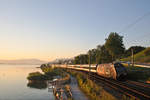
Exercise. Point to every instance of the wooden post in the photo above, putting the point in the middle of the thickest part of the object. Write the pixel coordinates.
(89, 64)
(132, 58)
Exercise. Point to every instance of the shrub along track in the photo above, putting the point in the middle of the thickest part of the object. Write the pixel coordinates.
(136, 90)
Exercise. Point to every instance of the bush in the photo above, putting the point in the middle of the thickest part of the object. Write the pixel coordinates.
(36, 76)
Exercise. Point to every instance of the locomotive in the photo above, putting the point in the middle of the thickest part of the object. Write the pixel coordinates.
(115, 71)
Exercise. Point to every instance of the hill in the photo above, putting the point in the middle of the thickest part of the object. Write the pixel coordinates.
(22, 61)
(141, 57)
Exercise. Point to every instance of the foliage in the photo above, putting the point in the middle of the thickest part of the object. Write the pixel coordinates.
(97, 56)
(94, 91)
(81, 59)
(46, 68)
(50, 71)
(138, 73)
(136, 49)
(62, 61)
(141, 57)
(147, 52)
(114, 45)
(92, 54)
(37, 76)
(103, 55)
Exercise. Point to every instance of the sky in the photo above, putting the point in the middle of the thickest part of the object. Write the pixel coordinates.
(50, 29)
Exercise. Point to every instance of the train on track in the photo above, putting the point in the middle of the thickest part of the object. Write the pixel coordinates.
(112, 70)
(115, 71)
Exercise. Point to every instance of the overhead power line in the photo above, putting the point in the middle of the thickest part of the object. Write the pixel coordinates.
(136, 21)
(131, 25)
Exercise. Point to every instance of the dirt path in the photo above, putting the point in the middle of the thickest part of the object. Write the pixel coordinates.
(76, 92)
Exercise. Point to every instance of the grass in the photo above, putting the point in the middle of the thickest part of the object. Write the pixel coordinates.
(91, 89)
(138, 73)
(141, 57)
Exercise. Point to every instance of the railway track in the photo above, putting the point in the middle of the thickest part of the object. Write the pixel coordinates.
(136, 90)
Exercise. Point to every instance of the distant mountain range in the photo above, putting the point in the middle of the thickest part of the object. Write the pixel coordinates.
(23, 61)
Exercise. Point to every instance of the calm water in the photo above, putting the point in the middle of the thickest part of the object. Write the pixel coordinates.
(13, 84)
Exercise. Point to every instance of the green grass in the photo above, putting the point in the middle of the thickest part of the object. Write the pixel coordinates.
(141, 57)
(138, 73)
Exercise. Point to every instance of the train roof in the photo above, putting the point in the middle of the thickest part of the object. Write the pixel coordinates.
(112, 64)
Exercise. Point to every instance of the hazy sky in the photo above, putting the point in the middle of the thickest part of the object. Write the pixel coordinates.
(49, 29)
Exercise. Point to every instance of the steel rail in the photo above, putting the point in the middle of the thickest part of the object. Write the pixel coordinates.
(127, 90)
(135, 92)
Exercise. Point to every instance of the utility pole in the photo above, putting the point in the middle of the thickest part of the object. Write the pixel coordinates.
(132, 58)
(89, 64)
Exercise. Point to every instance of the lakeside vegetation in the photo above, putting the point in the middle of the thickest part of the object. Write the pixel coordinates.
(38, 80)
(48, 73)
(37, 76)
(94, 91)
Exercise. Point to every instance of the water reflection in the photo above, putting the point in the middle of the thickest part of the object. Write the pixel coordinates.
(14, 84)
(37, 85)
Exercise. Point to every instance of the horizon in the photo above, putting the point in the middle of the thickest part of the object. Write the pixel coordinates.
(48, 30)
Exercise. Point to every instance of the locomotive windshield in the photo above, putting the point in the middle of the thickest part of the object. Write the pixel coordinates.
(119, 67)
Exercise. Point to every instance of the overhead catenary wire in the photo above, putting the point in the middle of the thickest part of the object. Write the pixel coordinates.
(135, 22)
(132, 24)
(140, 38)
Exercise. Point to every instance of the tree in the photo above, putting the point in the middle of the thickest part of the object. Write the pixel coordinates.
(102, 55)
(81, 59)
(92, 54)
(136, 49)
(114, 45)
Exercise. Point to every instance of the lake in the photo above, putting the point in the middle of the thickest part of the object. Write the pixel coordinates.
(13, 84)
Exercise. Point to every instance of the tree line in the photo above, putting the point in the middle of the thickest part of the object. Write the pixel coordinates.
(110, 51)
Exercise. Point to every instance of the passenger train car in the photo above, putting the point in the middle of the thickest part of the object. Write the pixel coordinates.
(112, 70)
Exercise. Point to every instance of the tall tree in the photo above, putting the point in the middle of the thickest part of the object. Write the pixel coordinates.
(81, 59)
(114, 45)
(102, 55)
(92, 54)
